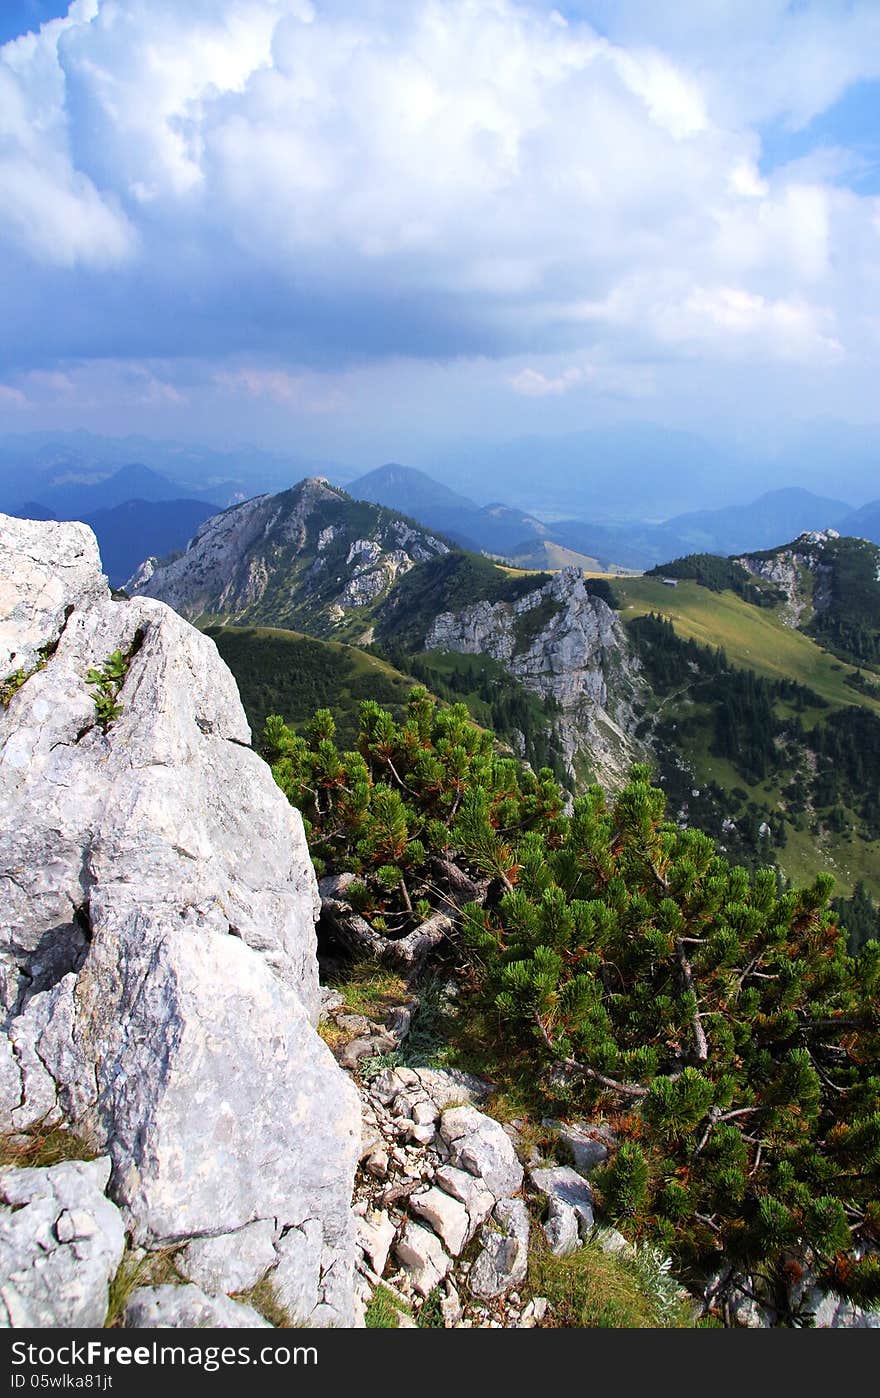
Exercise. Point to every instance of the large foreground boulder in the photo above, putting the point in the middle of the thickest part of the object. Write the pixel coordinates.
(158, 975)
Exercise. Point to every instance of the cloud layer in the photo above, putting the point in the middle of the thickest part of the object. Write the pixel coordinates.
(270, 187)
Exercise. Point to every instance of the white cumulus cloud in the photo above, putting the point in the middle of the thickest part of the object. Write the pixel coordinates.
(322, 183)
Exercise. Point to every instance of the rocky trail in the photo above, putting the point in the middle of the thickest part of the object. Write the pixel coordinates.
(446, 1197)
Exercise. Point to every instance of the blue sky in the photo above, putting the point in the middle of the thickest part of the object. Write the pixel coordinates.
(19, 16)
(369, 227)
(852, 124)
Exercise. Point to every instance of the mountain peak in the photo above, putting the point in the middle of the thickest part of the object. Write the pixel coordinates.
(310, 558)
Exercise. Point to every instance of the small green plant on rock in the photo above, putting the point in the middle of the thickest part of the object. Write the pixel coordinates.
(107, 682)
(383, 1311)
(11, 685)
(430, 1317)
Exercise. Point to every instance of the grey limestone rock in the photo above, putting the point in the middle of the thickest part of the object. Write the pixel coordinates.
(470, 1191)
(45, 570)
(503, 1259)
(575, 652)
(297, 1277)
(421, 1253)
(569, 1206)
(61, 1242)
(479, 1145)
(231, 1262)
(447, 1216)
(375, 1234)
(157, 942)
(188, 1308)
(583, 1145)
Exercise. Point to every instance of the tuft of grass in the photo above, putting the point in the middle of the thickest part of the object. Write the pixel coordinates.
(264, 1298)
(383, 1311)
(371, 989)
(430, 1317)
(592, 1289)
(333, 1036)
(433, 1030)
(139, 1269)
(40, 1147)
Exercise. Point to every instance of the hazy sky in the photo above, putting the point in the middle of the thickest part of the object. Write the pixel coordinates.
(365, 227)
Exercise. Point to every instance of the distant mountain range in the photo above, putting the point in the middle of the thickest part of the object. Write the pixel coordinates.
(33, 461)
(863, 523)
(74, 495)
(130, 532)
(134, 512)
(523, 538)
(492, 528)
(777, 514)
(69, 476)
(632, 470)
(607, 474)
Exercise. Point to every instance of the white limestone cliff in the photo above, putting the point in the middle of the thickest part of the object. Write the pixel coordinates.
(566, 645)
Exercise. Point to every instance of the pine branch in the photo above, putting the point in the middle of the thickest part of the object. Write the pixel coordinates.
(399, 779)
(702, 1043)
(628, 1089)
(716, 1115)
(405, 895)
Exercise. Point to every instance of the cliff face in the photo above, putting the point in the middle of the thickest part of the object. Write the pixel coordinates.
(800, 573)
(309, 558)
(157, 949)
(568, 646)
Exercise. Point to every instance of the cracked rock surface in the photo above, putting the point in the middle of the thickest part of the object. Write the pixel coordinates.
(561, 643)
(61, 1242)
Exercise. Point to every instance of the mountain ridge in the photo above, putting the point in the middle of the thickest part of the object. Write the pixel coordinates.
(310, 558)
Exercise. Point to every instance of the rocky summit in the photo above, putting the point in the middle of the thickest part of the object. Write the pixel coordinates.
(310, 558)
(158, 977)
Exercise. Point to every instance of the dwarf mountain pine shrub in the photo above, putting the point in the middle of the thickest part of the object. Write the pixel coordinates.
(715, 1017)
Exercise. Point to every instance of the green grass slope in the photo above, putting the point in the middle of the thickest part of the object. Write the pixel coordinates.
(754, 637)
(807, 833)
(287, 673)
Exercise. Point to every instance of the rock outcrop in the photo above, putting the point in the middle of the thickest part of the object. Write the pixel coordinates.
(568, 646)
(799, 572)
(188, 1308)
(158, 977)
